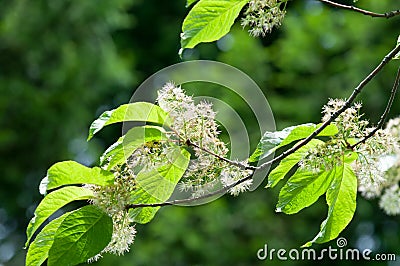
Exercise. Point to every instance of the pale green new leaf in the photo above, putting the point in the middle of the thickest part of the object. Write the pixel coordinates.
(39, 249)
(140, 111)
(283, 168)
(271, 141)
(268, 143)
(126, 145)
(112, 155)
(209, 20)
(81, 235)
(302, 190)
(52, 202)
(303, 131)
(157, 185)
(73, 173)
(341, 200)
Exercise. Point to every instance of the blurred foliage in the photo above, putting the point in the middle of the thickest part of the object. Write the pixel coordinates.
(63, 62)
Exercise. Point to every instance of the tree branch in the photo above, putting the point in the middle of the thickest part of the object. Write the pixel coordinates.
(300, 144)
(362, 11)
(189, 200)
(385, 113)
(347, 104)
(238, 164)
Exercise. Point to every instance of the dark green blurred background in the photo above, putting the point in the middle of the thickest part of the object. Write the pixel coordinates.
(63, 62)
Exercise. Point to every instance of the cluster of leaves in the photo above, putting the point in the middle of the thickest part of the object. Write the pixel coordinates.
(303, 188)
(78, 235)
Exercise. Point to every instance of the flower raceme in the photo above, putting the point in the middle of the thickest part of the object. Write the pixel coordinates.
(192, 123)
(196, 123)
(374, 176)
(263, 15)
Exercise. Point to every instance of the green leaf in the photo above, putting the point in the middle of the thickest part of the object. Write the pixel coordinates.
(51, 203)
(283, 168)
(303, 131)
(157, 185)
(39, 249)
(73, 173)
(140, 111)
(302, 190)
(190, 2)
(113, 153)
(209, 20)
(271, 141)
(82, 234)
(126, 145)
(341, 200)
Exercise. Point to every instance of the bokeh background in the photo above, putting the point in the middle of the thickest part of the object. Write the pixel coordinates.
(63, 62)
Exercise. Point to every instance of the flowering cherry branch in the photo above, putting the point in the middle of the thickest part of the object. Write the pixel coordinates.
(385, 113)
(346, 105)
(363, 11)
(189, 200)
(300, 144)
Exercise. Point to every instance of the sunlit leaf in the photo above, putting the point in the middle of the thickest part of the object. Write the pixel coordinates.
(52, 202)
(81, 235)
(341, 200)
(39, 248)
(73, 173)
(283, 168)
(157, 185)
(209, 20)
(271, 141)
(140, 111)
(302, 190)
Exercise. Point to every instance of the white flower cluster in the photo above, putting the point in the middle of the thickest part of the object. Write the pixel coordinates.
(350, 122)
(322, 157)
(369, 167)
(195, 123)
(390, 199)
(231, 174)
(263, 15)
(350, 126)
(112, 200)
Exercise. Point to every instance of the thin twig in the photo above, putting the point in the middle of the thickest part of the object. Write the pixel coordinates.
(363, 11)
(385, 113)
(300, 144)
(189, 200)
(238, 164)
(347, 104)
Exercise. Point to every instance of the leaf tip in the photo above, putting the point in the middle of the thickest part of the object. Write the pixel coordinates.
(307, 245)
